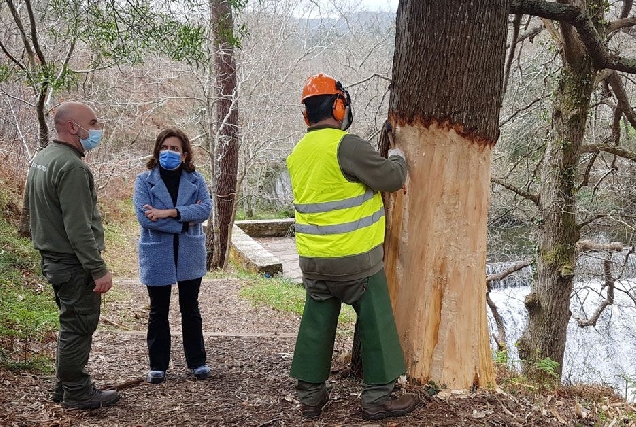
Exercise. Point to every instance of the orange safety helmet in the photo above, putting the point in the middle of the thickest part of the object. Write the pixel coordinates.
(323, 84)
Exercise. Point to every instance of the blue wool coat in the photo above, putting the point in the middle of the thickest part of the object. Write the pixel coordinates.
(156, 247)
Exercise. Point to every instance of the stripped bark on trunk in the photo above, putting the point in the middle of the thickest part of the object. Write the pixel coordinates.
(444, 108)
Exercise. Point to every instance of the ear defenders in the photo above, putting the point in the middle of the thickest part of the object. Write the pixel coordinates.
(342, 108)
(341, 103)
(322, 84)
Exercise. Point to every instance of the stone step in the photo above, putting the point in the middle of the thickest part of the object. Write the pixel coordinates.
(251, 255)
(267, 227)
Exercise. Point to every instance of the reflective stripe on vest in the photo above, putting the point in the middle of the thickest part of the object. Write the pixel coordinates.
(334, 217)
(332, 206)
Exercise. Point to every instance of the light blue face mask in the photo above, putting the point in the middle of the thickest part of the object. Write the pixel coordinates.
(169, 159)
(93, 140)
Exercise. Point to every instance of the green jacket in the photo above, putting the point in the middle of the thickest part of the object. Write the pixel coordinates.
(62, 202)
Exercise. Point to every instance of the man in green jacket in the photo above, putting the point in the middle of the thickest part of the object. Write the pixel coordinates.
(66, 227)
(336, 179)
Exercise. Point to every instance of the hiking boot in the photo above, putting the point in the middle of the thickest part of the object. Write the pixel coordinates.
(312, 412)
(394, 407)
(58, 393)
(97, 399)
(202, 372)
(156, 377)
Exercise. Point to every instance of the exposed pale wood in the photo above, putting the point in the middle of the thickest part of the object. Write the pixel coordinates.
(436, 243)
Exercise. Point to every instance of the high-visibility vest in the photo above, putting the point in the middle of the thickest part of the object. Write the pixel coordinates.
(334, 217)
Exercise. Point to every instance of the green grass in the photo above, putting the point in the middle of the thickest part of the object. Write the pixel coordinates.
(278, 293)
(286, 296)
(28, 314)
(120, 230)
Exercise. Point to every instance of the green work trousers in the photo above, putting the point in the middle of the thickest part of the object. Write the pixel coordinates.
(382, 358)
(79, 309)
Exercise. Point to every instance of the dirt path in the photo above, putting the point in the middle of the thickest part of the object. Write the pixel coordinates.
(249, 350)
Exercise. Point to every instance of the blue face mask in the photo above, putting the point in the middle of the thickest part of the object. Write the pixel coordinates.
(93, 140)
(169, 159)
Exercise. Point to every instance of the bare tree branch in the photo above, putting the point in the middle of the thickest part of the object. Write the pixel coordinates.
(500, 338)
(366, 79)
(610, 281)
(520, 110)
(590, 220)
(609, 299)
(511, 50)
(618, 151)
(588, 170)
(507, 272)
(531, 33)
(627, 7)
(617, 86)
(18, 23)
(11, 57)
(532, 197)
(585, 27)
(621, 23)
(34, 33)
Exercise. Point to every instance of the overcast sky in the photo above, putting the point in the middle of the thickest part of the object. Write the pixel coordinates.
(381, 5)
(329, 8)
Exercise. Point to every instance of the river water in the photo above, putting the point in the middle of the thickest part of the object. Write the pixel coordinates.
(602, 354)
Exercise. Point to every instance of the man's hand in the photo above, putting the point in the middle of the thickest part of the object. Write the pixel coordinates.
(103, 284)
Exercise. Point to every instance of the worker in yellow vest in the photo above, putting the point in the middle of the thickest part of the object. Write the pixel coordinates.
(336, 180)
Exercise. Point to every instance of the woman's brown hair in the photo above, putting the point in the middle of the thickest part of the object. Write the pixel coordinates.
(186, 147)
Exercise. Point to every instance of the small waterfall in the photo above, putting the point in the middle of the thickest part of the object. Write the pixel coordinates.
(600, 354)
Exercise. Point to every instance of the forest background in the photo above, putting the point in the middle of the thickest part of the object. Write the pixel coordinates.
(142, 76)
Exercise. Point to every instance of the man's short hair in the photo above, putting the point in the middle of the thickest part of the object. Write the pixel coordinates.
(319, 107)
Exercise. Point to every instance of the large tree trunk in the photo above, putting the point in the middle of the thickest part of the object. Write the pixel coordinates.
(226, 153)
(444, 109)
(548, 303)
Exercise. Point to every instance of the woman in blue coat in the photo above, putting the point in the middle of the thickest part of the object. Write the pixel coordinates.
(171, 202)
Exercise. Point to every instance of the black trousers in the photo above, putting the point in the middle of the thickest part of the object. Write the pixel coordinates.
(158, 337)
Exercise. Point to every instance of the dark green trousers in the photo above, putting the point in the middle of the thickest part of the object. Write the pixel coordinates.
(382, 358)
(79, 310)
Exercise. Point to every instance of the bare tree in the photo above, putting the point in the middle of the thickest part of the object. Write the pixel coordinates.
(568, 161)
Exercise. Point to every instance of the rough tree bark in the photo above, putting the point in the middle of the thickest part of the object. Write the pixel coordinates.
(548, 303)
(444, 108)
(226, 153)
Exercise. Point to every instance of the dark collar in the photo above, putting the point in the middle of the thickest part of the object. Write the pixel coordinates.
(319, 127)
(78, 151)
